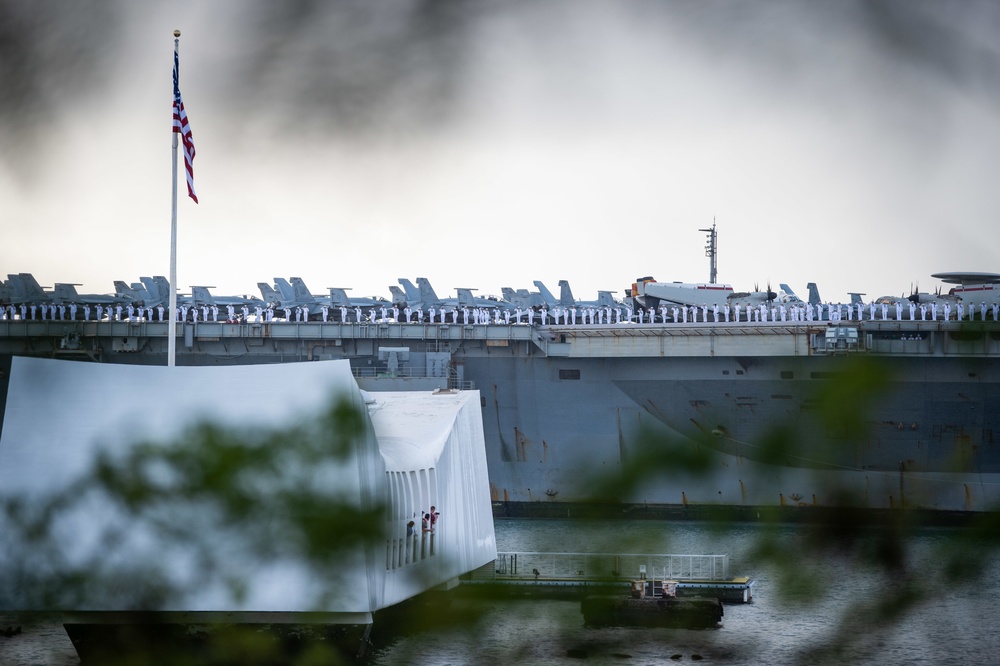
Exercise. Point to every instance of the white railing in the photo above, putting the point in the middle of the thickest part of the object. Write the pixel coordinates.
(609, 565)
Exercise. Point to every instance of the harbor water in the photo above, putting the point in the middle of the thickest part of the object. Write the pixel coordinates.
(787, 623)
(815, 608)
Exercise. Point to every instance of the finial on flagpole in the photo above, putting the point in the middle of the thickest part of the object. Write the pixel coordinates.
(177, 33)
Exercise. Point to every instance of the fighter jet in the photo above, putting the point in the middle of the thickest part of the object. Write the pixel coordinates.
(522, 298)
(202, 296)
(466, 299)
(339, 298)
(24, 288)
(158, 288)
(132, 294)
(269, 294)
(431, 299)
(65, 293)
(296, 294)
(424, 296)
(399, 297)
(548, 300)
(413, 297)
(605, 299)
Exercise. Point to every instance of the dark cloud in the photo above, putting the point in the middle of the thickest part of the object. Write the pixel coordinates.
(50, 53)
(365, 66)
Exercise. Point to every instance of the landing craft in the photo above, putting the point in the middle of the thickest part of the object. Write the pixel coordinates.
(649, 293)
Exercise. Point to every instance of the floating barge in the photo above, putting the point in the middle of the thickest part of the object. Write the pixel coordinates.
(568, 574)
(652, 603)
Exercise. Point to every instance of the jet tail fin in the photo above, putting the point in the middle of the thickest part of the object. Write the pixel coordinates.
(15, 287)
(202, 296)
(465, 298)
(427, 293)
(339, 298)
(301, 291)
(398, 295)
(162, 286)
(286, 290)
(547, 296)
(814, 298)
(122, 290)
(268, 293)
(566, 294)
(65, 293)
(412, 292)
(606, 299)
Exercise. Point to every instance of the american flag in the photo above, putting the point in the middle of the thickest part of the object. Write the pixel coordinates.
(182, 127)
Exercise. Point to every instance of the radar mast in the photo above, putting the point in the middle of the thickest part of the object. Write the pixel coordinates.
(711, 251)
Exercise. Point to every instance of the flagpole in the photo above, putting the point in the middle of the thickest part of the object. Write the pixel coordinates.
(172, 304)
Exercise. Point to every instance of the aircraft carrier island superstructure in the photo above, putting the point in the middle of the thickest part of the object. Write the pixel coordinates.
(880, 414)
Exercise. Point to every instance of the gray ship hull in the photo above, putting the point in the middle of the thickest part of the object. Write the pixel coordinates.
(915, 442)
(902, 414)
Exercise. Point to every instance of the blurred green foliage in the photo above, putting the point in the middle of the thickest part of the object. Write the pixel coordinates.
(265, 493)
(228, 501)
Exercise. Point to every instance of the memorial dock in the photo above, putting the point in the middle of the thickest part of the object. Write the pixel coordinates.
(574, 573)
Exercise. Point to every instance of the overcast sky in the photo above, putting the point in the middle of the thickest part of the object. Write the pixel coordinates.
(489, 144)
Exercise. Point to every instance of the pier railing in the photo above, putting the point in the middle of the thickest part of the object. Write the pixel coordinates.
(590, 566)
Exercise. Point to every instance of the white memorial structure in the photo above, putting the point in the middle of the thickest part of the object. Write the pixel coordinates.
(414, 450)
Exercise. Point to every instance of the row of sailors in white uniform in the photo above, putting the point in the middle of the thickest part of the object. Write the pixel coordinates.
(558, 315)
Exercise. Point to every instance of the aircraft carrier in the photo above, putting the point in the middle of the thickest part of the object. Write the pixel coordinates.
(879, 414)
